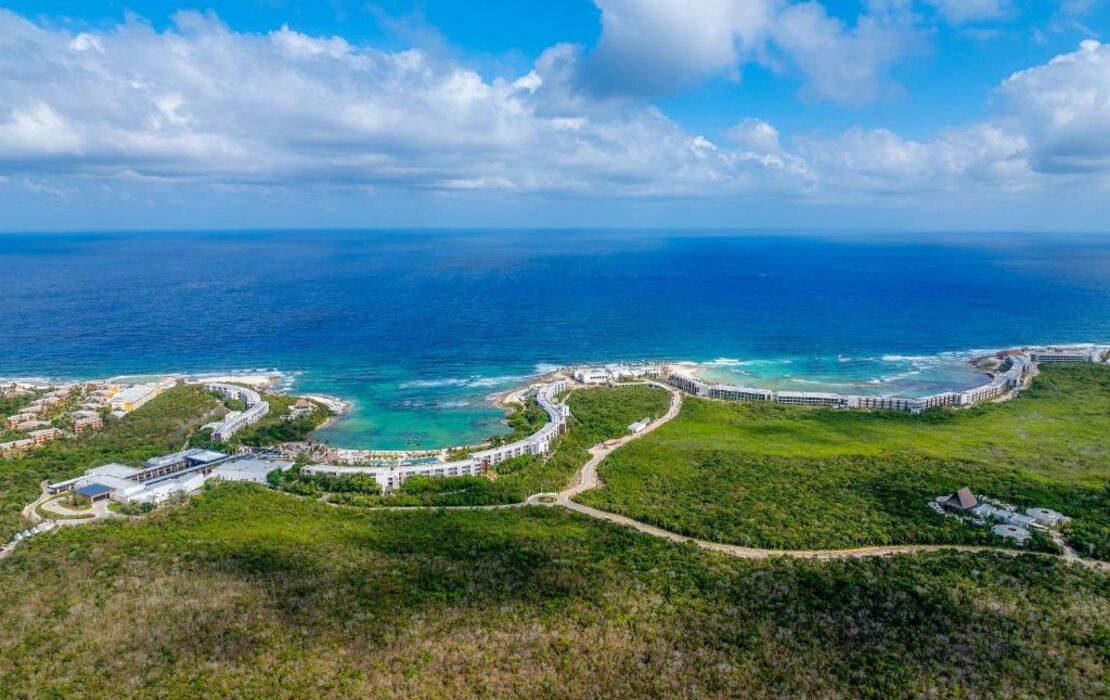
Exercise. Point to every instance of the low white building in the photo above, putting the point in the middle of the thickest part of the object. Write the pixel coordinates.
(811, 398)
(591, 375)
(250, 469)
(1013, 532)
(1047, 518)
(1065, 355)
(159, 491)
(688, 383)
(390, 478)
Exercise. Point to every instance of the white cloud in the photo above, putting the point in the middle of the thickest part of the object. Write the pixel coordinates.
(1065, 108)
(755, 135)
(657, 46)
(202, 104)
(652, 47)
(841, 64)
(878, 161)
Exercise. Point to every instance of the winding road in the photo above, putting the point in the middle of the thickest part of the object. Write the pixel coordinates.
(586, 479)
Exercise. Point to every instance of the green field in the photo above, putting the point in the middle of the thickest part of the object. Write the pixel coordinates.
(246, 592)
(782, 477)
(159, 427)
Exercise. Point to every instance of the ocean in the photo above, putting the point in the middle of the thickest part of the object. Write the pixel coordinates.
(418, 329)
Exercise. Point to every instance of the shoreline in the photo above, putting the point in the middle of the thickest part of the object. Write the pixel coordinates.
(979, 362)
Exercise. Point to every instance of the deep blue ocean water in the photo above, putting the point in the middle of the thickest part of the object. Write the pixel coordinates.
(418, 328)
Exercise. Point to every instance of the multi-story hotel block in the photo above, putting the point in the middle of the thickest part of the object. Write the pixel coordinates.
(233, 422)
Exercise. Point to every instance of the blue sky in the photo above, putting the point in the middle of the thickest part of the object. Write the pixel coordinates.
(915, 114)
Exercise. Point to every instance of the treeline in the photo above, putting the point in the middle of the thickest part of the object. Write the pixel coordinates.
(431, 491)
(295, 481)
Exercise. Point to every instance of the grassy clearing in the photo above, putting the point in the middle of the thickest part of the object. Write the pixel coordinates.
(251, 593)
(161, 426)
(782, 477)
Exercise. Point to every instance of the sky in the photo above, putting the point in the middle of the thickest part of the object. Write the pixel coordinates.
(768, 114)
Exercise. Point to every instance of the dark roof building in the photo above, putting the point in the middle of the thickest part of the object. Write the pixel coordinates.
(94, 491)
(963, 499)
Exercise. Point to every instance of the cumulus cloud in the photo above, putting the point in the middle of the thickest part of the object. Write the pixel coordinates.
(200, 103)
(755, 135)
(653, 47)
(842, 64)
(657, 46)
(1065, 108)
(878, 161)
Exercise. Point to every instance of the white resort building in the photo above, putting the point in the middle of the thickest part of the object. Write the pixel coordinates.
(162, 477)
(615, 373)
(257, 408)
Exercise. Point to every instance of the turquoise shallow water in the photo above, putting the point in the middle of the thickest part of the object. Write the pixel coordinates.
(419, 329)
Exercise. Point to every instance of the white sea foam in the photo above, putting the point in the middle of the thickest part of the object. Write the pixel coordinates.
(471, 383)
(909, 358)
(452, 404)
(724, 362)
(431, 383)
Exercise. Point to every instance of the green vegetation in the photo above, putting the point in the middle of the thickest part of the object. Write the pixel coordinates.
(274, 428)
(161, 426)
(51, 515)
(524, 420)
(140, 508)
(245, 592)
(597, 415)
(294, 481)
(429, 491)
(10, 405)
(773, 476)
